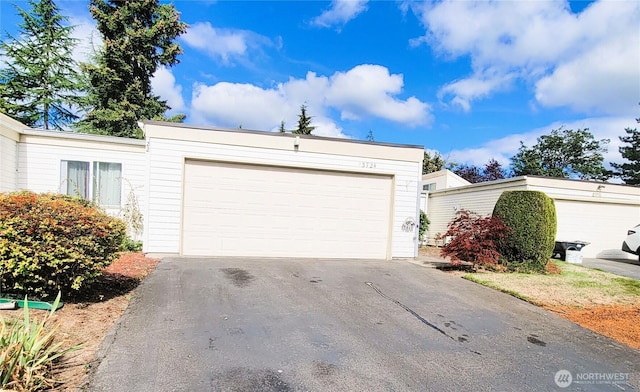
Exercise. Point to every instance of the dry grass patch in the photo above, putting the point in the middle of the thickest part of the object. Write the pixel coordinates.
(575, 285)
(603, 302)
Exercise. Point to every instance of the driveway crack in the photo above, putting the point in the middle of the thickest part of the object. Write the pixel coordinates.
(408, 309)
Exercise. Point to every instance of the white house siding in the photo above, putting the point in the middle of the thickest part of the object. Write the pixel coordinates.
(39, 163)
(479, 198)
(599, 213)
(165, 178)
(603, 224)
(8, 164)
(444, 179)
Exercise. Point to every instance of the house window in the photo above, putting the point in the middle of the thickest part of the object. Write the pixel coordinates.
(107, 183)
(429, 187)
(75, 178)
(105, 187)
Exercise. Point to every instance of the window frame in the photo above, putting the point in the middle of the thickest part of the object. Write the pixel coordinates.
(66, 181)
(429, 187)
(92, 179)
(95, 184)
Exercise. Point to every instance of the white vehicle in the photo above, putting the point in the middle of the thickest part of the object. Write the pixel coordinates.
(632, 243)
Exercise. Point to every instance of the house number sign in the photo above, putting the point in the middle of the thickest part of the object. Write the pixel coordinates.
(368, 165)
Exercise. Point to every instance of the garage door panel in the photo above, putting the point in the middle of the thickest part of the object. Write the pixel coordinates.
(244, 210)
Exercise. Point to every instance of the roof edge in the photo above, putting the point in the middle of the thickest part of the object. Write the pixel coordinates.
(83, 136)
(277, 134)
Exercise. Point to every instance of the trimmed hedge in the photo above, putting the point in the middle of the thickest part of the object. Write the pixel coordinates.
(51, 243)
(531, 216)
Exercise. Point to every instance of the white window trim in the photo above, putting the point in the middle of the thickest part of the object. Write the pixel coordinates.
(90, 181)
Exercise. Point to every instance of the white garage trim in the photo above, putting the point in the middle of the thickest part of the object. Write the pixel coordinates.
(239, 209)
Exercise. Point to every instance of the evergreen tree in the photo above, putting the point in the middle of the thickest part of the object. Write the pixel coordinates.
(281, 129)
(304, 123)
(38, 80)
(629, 171)
(139, 36)
(433, 163)
(370, 137)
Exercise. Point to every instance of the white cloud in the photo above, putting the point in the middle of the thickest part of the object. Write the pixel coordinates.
(340, 12)
(164, 84)
(89, 39)
(466, 90)
(223, 44)
(504, 148)
(234, 104)
(326, 127)
(604, 80)
(365, 90)
(369, 90)
(587, 61)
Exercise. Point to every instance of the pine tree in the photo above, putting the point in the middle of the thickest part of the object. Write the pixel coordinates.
(629, 171)
(38, 80)
(139, 36)
(370, 137)
(281, 129)
(433, 163)
(304, 123)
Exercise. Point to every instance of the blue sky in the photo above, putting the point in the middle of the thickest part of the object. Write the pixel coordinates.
(467, 79)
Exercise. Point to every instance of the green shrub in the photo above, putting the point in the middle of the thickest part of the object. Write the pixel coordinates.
(51, 243)
(28, 352)
(424, 224)
(131, 245)
(531, 216)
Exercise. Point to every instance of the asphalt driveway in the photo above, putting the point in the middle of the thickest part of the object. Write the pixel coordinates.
(328, 325)
(622, 267)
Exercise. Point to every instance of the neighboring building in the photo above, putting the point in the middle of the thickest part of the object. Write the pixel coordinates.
(596, 212)
(222, 192)
(441, 179)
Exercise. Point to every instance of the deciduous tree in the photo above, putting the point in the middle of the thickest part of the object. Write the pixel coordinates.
(563, 153)
(139, 36)
(491, 171)
(38, 79)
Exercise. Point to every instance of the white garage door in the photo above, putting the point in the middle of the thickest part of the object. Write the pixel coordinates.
(249, 210)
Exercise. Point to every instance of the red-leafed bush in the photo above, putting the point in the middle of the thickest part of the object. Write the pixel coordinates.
(51, 243)
(474, 238)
